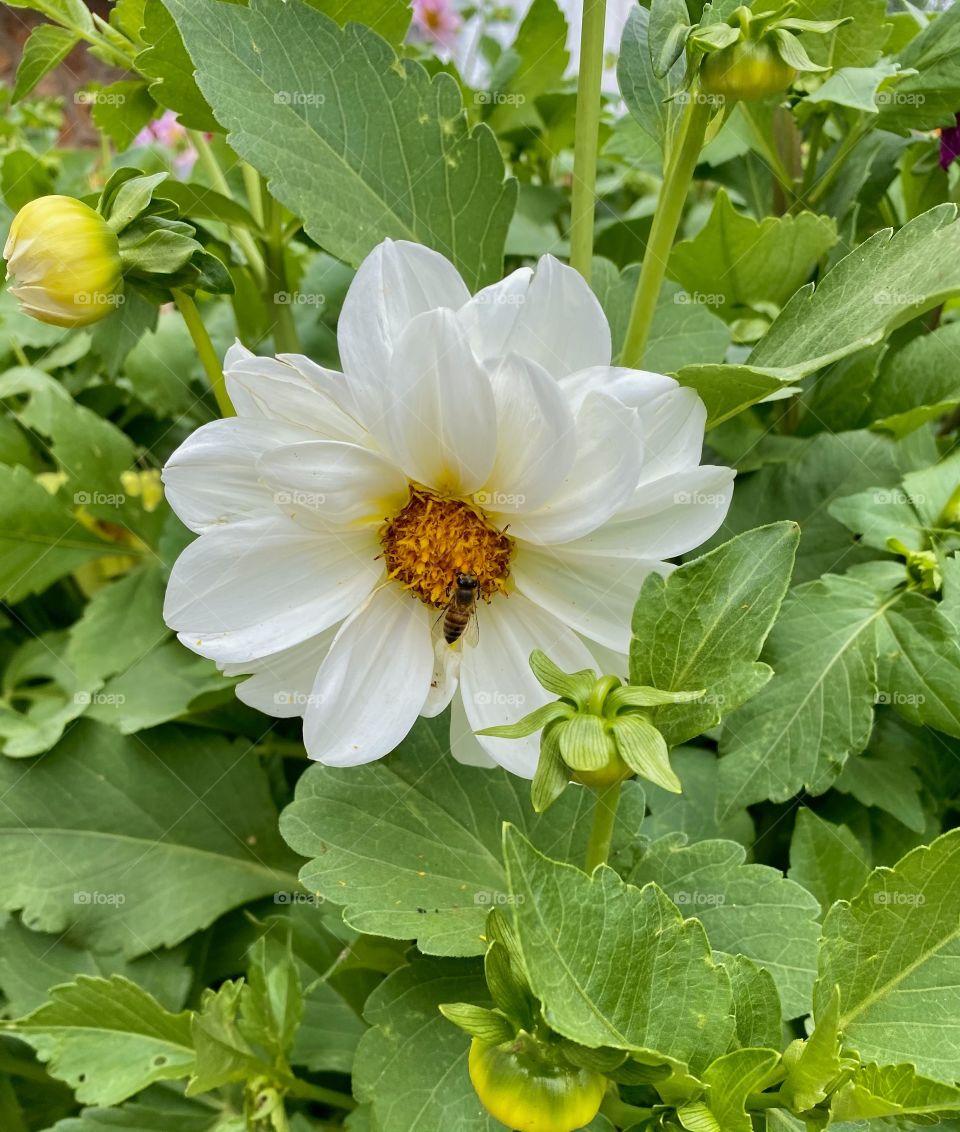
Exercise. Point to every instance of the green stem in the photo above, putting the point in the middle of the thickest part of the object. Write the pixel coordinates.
(297, 1088)
(666, 220)
(205, 351)
(813, 156)
(846, 147)
(285, 335)
(604, 819)
(246, 242)
(251, 182)
(589, 101)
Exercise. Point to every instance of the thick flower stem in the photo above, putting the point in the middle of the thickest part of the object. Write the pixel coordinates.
(583, 198)
(666, 220)
(285, 335)
(604, 820)
(205, 351)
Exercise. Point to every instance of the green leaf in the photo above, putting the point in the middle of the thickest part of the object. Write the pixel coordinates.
(603, 957)
(108, 1038)
(815, 1065)
(158, 1110)
(826, 859)
(880, 514)
(70, 13)
(746, 265)
(166, 62)
(886, 281)
(137, 843)
(121, 110)
(893, 951)
(857, 87)
(858, 43)
(23, 176)
(930, 97)
(356, 179)
(694, 812)
(818, 708)
(32, 963)
(727, 390)
(684, 330)
(120, 623)
(892, 1090)
(534, 64)
(920, 664)
(44, 51)
(827, 467)
(159, 686)
(756, 1004)
(732, 1078)
(412, 1064)
(479, 1022)
(40, 539)
(223, 1054)
(884, 775)
(90, 451)
(423, 860)
(389, 18)
(651, 100)
(746, 909)
(705, 624)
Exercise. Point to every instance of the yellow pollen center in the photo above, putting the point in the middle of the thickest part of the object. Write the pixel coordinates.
(432, 539)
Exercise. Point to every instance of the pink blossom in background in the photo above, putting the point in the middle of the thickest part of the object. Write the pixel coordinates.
(168, 132)
(437, 20)
(950, 145)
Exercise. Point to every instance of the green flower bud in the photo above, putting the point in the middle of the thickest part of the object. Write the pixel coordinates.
(64, 261)
(597, 734)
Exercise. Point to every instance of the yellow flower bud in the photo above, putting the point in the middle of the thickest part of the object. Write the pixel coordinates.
(64, 262)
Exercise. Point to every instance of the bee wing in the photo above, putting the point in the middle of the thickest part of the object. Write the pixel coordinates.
(471, 634)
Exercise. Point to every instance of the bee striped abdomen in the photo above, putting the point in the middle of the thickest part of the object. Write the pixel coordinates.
(455, 621)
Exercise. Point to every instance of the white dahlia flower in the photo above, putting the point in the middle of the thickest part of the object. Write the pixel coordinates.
(486, 435)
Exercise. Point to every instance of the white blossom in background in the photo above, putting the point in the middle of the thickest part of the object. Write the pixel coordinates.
(486, 434)
(487, 20)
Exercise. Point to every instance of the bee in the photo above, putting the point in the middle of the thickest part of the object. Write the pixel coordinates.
(460, 616)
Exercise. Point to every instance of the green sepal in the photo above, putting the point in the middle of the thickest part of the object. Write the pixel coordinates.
(584, 742)
(539, 718)
(793, 53)
(507, 991)
(500, 930)
(644, 750)
(635, 695)
(714, 37)
(487, 1025)
(153, 245)
(125, 198)
(818, 27)
(551, 777)
(573, 686)
(603, 1060)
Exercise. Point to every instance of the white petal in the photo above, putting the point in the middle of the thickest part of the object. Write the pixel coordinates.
(672, 418)
(602, 479)
(490, 316)
(446, 674)
(439, 420)
(281, 683)
(251, 589)
(556, 320)
(212, 478)
(373, 682)
(591, 593)
(274, 390)
(634, 387)
(495, 678)
(536, 437)
(397, 281)
(665, 518)
(464, 745)
(338, 483)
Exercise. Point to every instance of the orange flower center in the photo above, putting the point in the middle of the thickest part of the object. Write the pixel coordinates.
(432, 539)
